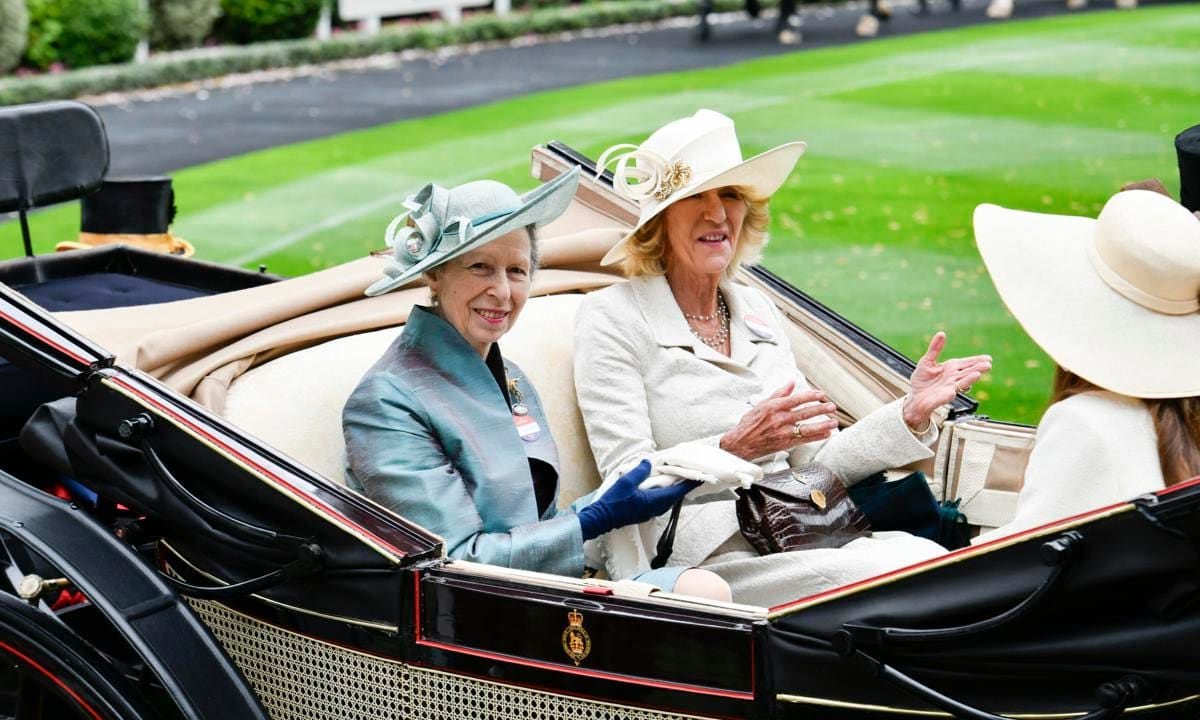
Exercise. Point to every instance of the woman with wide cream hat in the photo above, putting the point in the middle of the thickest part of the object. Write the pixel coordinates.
(1115, 302)
(682, 354)
(446, 432)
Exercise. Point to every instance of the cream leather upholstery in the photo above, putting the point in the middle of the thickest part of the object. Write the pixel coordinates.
(294, 403)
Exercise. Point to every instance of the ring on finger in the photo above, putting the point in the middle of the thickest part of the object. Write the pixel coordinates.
(798, 429)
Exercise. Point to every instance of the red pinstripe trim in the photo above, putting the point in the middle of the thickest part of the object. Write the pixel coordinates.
(43, 338)
(304, 497)
(417, 605)
(1180, 486)
(61, 685)
(556, 667)
(973, 549)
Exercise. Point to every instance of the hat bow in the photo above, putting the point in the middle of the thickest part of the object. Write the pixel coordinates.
(427, 226)
(641, 173)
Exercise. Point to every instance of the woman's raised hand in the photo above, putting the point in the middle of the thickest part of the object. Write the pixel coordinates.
(936, 383)
(781, 422)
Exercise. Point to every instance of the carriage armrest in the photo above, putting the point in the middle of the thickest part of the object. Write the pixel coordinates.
(49, 153)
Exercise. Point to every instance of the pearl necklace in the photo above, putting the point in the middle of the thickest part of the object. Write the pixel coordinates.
(707, 318)
(717, 340)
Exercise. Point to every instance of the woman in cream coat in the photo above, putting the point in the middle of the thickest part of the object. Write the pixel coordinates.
(1116, 303)
(680, 354)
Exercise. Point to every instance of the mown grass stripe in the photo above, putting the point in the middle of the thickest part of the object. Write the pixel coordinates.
(905, 137)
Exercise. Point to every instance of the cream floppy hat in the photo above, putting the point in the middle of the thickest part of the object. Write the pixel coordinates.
(686, 157)
(1115, 300)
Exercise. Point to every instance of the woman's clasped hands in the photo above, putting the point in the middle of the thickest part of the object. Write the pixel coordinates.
(787, 418)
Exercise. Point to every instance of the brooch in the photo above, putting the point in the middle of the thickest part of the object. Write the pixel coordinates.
(673, 177)
(518, 400)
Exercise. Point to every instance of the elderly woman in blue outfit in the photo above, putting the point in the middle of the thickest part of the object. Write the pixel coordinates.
(446, 432)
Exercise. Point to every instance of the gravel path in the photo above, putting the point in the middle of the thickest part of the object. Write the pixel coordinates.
(167, 129)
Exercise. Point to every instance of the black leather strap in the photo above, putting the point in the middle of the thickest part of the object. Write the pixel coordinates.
(666, 541)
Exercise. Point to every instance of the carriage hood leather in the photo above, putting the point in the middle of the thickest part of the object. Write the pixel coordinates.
(200, 346)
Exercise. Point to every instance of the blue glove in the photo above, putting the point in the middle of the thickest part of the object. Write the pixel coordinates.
(626, 504)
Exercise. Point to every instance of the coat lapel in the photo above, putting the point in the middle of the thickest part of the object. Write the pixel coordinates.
(749, 327)
(475, 418)
(666, 320)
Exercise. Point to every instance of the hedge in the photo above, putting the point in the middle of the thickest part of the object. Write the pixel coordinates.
(41, 48)
(251, 21)
(14, 25)
(181, 23)
(169, 68)
(99, 32)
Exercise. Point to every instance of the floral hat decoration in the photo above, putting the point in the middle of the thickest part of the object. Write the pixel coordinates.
(439, 224)
(686, 157)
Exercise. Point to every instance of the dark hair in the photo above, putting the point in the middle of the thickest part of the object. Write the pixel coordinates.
(1176, 423)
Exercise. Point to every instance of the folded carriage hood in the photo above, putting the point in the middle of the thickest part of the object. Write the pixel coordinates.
(198, 347)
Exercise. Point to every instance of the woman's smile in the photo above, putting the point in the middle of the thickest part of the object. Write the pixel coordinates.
(492, 317)
(702, 232)
(714, 238)
(482, 292)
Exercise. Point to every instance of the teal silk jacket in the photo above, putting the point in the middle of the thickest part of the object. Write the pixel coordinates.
(430, 435)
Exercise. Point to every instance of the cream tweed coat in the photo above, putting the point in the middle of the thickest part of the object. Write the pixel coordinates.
(645, 383)
(1092, 449)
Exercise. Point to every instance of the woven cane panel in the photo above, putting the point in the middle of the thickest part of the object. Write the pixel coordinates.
(298, 678)
(443, 696)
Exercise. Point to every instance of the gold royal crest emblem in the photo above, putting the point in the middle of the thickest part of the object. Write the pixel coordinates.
(576, 642)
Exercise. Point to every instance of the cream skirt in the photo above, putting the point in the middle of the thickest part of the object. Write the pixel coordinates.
(774, 579)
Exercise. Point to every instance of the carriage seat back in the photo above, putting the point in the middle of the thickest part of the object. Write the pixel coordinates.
(49, 153)
(307, 424)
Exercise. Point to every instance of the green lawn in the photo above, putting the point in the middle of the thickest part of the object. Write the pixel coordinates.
(905, 137)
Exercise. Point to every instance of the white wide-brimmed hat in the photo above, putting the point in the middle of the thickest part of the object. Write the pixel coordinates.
(1115, 300)
(440, 224)
(686, 157)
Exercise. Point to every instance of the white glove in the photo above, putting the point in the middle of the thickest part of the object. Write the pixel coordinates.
(711, 465)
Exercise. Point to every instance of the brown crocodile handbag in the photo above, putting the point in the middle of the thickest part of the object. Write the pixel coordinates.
(799, 509)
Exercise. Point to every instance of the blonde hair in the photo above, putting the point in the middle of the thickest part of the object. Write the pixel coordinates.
(646, 251)
(1176, 423)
